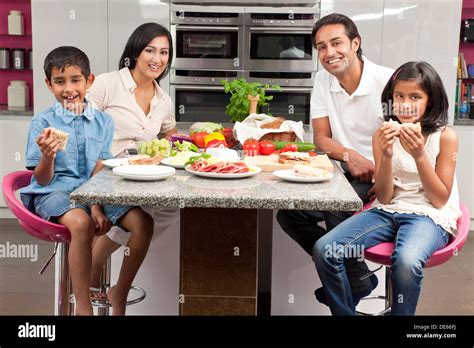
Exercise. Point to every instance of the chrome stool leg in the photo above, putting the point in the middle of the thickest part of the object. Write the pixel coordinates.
(104, 284)
(387, 298)
(65, 303)
(103, 306)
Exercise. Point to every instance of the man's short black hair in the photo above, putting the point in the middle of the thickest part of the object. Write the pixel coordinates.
(337, 18)
(63, 56)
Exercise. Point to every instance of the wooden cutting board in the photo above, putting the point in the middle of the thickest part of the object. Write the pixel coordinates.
(270, 163)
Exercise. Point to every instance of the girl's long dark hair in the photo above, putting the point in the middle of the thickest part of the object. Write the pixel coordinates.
(137, 42)
(436, 113)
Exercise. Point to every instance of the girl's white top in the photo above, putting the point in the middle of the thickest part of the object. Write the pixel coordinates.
(409, 195)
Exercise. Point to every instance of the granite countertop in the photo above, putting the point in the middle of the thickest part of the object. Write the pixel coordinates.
(262, 191)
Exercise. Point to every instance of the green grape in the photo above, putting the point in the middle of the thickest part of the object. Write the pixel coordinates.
(155, 142)
(149, 151)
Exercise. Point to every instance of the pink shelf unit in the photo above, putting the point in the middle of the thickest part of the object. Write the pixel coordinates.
(15, 41)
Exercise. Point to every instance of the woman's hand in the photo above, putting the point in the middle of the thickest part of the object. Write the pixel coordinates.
(102, 223)
(412, 141)
(48, 145)
(386, 137)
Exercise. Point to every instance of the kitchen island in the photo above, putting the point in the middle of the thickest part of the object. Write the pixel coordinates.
(226, 229)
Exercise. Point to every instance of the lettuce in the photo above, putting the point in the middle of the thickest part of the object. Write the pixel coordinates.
(207, 127)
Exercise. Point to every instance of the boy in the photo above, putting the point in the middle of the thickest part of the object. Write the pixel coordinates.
(59, 172)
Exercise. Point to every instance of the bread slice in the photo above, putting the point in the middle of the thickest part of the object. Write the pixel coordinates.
(274, 123)
(309, 172)
(394, 124)
(294, 158)
(60, 136)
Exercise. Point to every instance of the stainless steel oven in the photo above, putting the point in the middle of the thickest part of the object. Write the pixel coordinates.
(207, 36)
(199, 95)
(280, 39)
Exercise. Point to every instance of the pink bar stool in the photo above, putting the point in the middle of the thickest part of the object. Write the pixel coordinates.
(60, 235)
(381, 254)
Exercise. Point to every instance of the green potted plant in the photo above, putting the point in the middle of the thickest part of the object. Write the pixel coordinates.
(246, 98)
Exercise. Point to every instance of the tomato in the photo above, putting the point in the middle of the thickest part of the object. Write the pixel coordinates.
(266, 148)
(198, 139)
(312, 153)
(251, 147)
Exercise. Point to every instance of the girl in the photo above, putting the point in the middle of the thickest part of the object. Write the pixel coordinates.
(141, 110)
(416, 205)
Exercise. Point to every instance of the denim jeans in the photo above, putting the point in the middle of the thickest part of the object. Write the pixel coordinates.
(416, 238)
(302, 227)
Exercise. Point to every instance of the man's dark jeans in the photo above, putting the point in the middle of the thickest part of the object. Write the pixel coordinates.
(302, 226)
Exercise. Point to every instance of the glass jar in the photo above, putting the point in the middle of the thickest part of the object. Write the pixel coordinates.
(18, 94)
(15, 23)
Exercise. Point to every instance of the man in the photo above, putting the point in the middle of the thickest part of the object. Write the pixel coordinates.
(346, 110)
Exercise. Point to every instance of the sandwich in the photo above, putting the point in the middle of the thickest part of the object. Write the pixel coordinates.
(294, 158)
(396, 125)
(309, 172)
(145, 159)
(61, 137)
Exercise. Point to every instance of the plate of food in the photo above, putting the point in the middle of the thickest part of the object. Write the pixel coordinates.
(222, 170)
(179, 160)
(144, 173)
(303, 173)
(115, 162)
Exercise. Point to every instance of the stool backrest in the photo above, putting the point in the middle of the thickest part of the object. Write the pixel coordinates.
(456, 243)
(31, 223)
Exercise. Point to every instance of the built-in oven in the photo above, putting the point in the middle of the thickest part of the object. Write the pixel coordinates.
(280, 39)
(199, 96)
(207, 36)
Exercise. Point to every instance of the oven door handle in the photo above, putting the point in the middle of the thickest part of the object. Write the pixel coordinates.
(199, 88)
(296, 89)
(283, 29)
(203, 27)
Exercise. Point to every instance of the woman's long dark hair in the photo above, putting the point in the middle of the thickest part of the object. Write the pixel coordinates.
(140, 39)
(436, 113)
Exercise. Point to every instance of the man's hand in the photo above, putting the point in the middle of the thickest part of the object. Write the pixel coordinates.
(102, 223)
(360, 167)
(47, 144)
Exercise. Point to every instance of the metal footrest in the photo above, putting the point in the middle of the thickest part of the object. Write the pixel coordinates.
(375, 297)
(135, 295)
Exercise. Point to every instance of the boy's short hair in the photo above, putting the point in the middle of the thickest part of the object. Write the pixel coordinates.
(63, 56)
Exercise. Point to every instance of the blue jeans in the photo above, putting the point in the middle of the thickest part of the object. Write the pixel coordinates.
(416, 239)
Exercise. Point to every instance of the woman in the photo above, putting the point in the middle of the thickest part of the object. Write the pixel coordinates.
(141, 110)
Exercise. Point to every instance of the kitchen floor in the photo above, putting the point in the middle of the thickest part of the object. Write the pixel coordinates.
(447, 290)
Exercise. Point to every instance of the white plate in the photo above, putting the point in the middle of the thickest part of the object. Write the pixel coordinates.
(115, 162)
(289, 175)
(253, 170)
(168, 162)
(143, 172)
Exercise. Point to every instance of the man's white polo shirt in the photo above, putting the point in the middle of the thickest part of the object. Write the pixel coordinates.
(353, 118)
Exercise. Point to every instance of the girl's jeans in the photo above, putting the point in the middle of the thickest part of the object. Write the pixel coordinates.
(416, 238)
